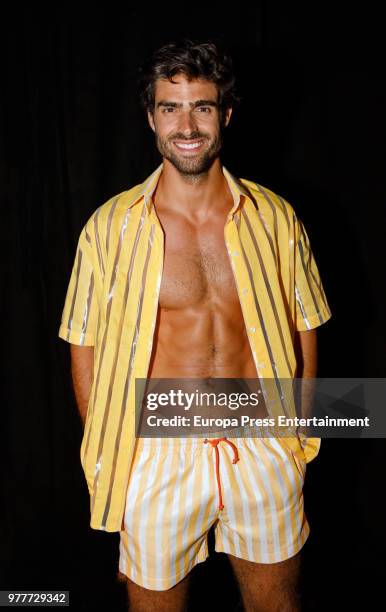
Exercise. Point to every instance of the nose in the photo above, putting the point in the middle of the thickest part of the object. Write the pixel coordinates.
(187, 123)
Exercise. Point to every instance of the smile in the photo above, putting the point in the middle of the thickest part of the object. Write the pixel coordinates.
(188, 146)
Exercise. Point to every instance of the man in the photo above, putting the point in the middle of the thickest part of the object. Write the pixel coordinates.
(193, 274)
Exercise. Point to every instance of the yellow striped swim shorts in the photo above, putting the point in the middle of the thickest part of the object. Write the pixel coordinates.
(250, 489)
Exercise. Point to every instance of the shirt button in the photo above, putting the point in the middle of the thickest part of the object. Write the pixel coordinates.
(252, 329)
(245, 290)
(235, 253)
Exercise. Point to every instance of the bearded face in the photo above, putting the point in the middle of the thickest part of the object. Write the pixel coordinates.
(187, 123)
(191, 154)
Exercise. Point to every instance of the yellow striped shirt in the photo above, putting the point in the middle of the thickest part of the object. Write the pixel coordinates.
(112, 302)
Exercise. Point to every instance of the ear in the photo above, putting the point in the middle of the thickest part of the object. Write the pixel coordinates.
(227, 116)
(150, 119)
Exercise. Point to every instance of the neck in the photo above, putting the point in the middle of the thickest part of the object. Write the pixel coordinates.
(195, 194)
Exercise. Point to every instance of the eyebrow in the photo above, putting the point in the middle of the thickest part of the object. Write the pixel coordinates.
(192, 104)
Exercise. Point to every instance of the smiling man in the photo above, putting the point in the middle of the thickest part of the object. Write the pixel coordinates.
(193, 274)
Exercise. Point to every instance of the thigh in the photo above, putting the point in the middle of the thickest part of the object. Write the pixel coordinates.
(269, 587)
(263, 519)
(174, 599)
(169, 510)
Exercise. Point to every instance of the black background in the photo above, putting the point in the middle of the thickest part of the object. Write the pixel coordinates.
(312, 128)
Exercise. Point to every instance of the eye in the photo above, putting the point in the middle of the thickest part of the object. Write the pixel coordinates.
(168, 109)
(205, 109)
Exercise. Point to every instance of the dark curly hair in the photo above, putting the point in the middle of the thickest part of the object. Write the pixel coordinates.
(196, 60)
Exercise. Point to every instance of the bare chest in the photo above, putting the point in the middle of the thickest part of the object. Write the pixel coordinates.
(197, 268)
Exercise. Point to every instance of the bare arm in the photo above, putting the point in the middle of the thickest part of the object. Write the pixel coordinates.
(306, 353)
(307, 360)
(82, 371)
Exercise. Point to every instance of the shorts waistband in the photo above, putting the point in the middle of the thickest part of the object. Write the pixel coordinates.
(237, 436)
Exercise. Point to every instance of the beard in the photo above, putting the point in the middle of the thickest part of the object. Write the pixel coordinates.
(192, 165)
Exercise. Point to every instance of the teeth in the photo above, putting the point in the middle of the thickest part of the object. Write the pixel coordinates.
(189, 146)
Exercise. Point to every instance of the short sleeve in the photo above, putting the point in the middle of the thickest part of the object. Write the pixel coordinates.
(81, 308)
(312, 308)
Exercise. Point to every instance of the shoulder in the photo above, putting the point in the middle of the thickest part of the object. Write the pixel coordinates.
(112, 211)
(270, 203)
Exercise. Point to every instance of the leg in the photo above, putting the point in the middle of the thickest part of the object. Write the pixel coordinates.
(263, 526)
(269, 587)
(167, 517)
(146, 600)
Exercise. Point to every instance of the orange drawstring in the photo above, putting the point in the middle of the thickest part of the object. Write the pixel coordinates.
(214, 443)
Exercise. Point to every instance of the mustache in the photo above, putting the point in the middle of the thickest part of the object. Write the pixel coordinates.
(193, 136)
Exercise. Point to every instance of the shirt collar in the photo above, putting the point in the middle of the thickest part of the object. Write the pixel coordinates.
(147, 188)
